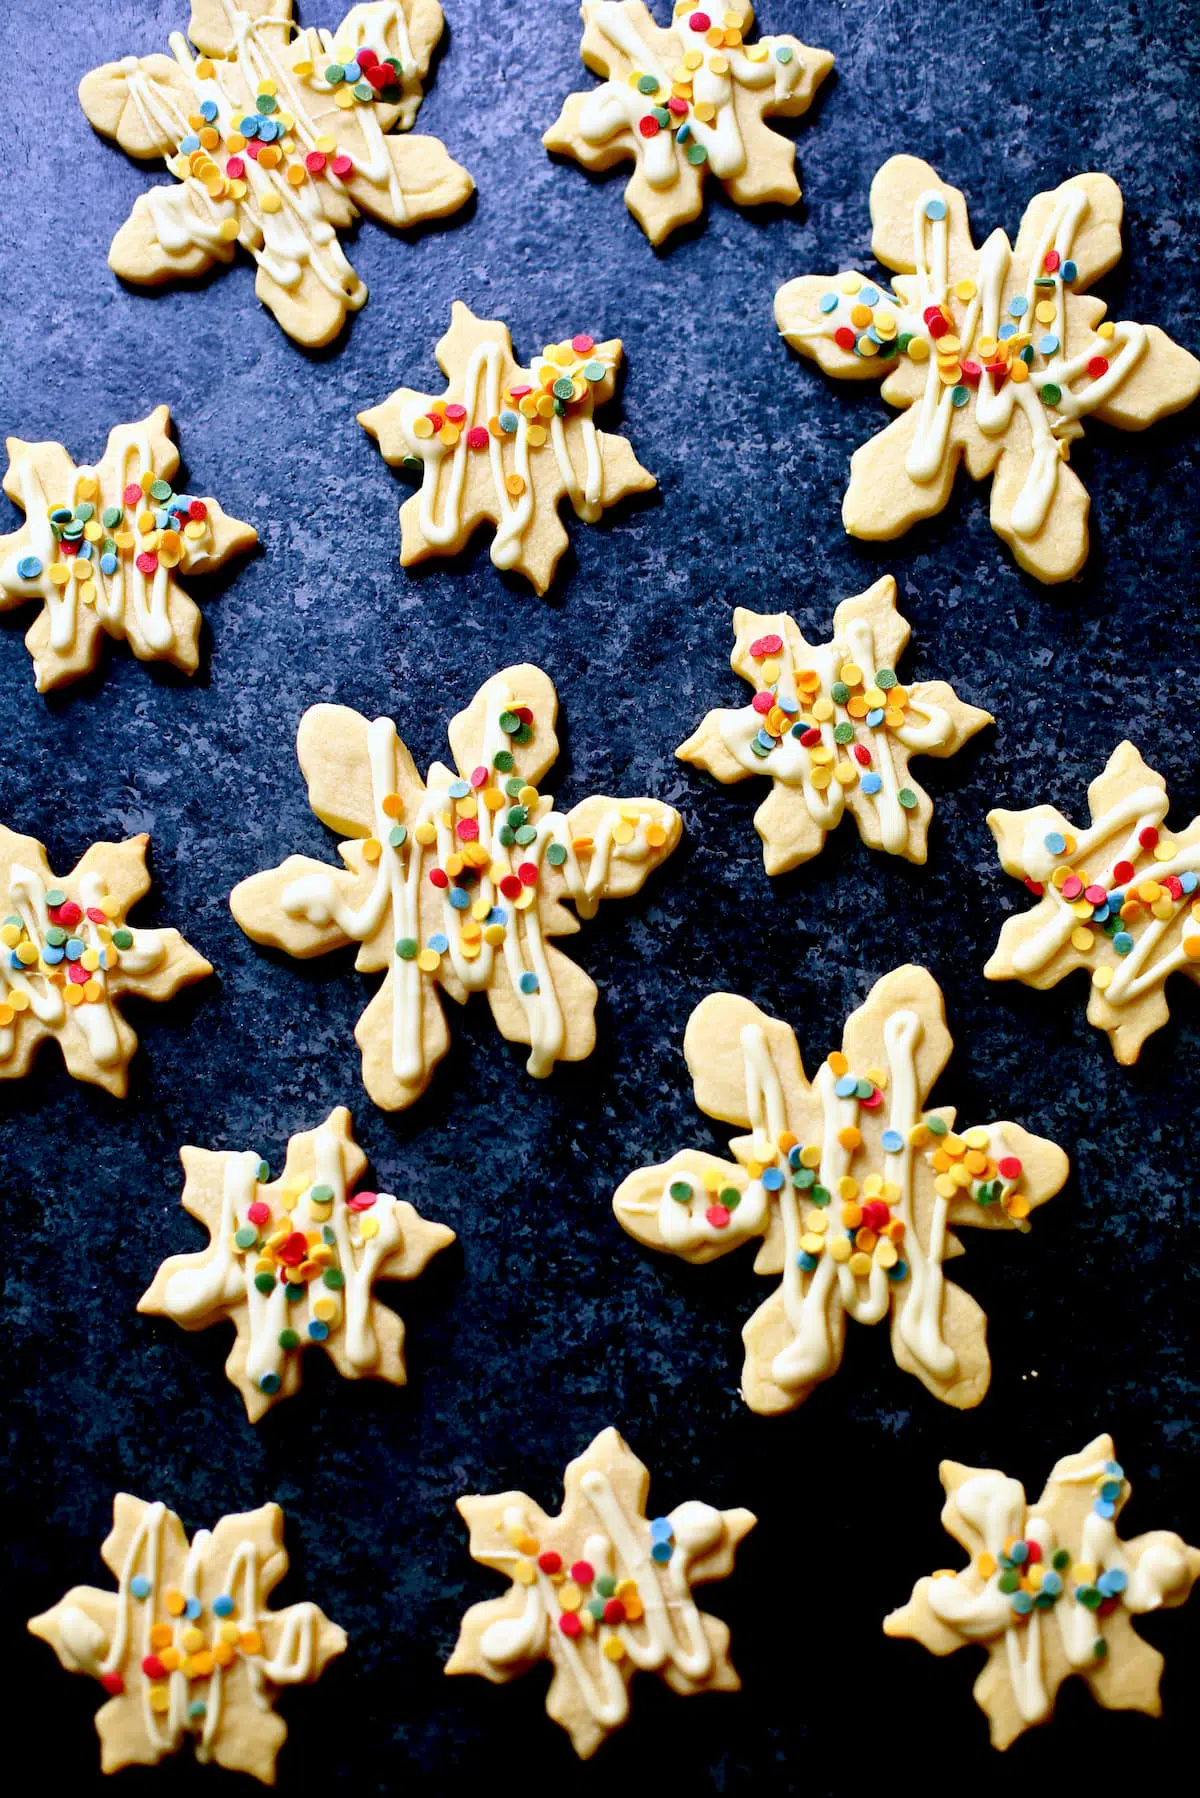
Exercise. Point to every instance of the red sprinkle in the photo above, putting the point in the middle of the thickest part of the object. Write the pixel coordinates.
(518, 393)
(1072, 886)
(197, 511)
(844, 337)
(999, 374)
(524, 713)
(649, 127)
(510, 886)
(1097, 366)
(717, 1216)
(132, 494)
(258, 1213)
(1010, 1167)
(938, 327)
(862, 755)
(439, 878)
(477, 438)
(811, 736)
(874, 1102)
(315, 161)
(1051, 261)
(152, 1667)
(147, 562)
(113, 1684)
(1148, 837)
(361, 1201)
(1035, 887)
(971, 373)
(78, 974)
(456, 414)
(367, 59)
(677, 106)
(762, 702)
(766, 646)
(583, 1573)
(342, 165)
(379, 75)
(614, 1611)
(96, 915)
(68, 547)
(1123, 872)
(468, 829)
(700, 21)
(549, 1561)
(1174, 886)
(1095, 895)
(875, 1214)
(235, 168)
(569, 1624)
(479, 776)
(253, 148)
(527, 874)
(294, 1250)
(1107, 1606)
(583, 344)
(68, 912)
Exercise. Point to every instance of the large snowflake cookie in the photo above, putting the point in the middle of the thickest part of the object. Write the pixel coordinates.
(1050, 1591)
(833, 729)
(187, 1645)
(67, 958)
(600, 1591)
(278, 139)
(686, 102)
(505, 445)
(852, 1181)
(292, 1262)
(995, 356)
(1119, 899)
(103, 548)
(459, 881)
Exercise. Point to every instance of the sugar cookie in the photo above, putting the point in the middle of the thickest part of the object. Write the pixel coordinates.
(292, 1262)
(994, 355)
(686, 102)
(1050, 1591)
(600, 1591)
(67, 958)
(187, 1645)
(1120, 899)
(278, 137)
(505, 445)
(833, 729)
(104, 549)
(457, 883)
(852, 1182)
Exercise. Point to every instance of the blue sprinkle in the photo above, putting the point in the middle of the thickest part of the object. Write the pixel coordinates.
(1055, 842)
(189, 143)
(248, 126)
(874, 336)
(892, 1141)
(528, 983)
(108, 564)
(661, 1529)
(1048, 344)
(268, 130)
(459, 789)
(1027, 355)
(14, 961)
(460, 899)
(1116, 899)
(794, 1157)
(1114, 1581)
(1103, 1509)
(829, 302)
(660, 1552)
(29, 567)
(74, 948)
(192, 1609)
(875, 717)
(806, 1262)
(351, 71)
(1122, 942)
(1114, 1467)
(847, 1086)
(935, 209)
(772, 1179)
(53, 956)
(317, 1330)
(868, 296)
(139, 1585)
(1111, 1489)
(1022, 1603)
(208, 110)
(1018, 1554)
(197, 1710)
(899, 1272)
(1189, 882)
(786, 704)
(439, 941)
(1100, 913)
(223, 1606)
(1005, 332)
(270, 1383)
(508, 422)
(1069, 271)
(86, 552)
(870, 783)
(764, 740)
(782, 53)
(162, 519)
(1052, 1584)
(683, 135)
(1018, 305)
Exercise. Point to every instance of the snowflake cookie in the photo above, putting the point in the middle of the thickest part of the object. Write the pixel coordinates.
(293, 1261)
(685, 102)
(456, 882)
(1119, 899)
(187, 1645)
(67, 957)
(104, 547)
(833, 729)
(1049, 1592)
(505, 445)
(852, 1181)
(278, 138)
(995, 357)
(599, 1591)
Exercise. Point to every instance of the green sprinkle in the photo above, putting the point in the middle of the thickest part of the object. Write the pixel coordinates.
(407, 948)
(730, 1197)
(647, 84)
(265, 1282)
(959, 396)
(288, 1339)
(160, 490)
(507, 835)
(334, 1278)
(328, 1234)
(903, 341)
(696, 155)
(363, 90)
(839, 692)
(681, 1191)
(820, 1195)
(804, 1177)
(502, 761)
(596, 1608)
(907, 798)
(1010, 1581)
(526, 835)
(247, 1237)
(782, 53)
(936, 1126)
(85, 511)
(412, 465)
(843, 733)
(556, 855)
(55, 896)
(509, 723)
(321, 1195)
(398, 837)
(1049, 394)
(262, 1172)
(111, 517)
(122, 939)
(1100, 1648)
(295, 1292)
(513, 787)
(885, 678)
(523, 733)
(662, 116)
(606, 1585)
(1062, 1559)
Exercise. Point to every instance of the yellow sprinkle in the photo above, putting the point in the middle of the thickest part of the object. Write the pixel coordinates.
(569, 1596)
(885, 324)
(918, 350)
(1019, 372)
(846, 773)
(426, 833)
(1102, 977)
(840, 1249)
(160, 1699)
(1106, 330)
(174, 1603)
(192, 1639)
(1082, 939)
(271, 202)
(535, 436)
(965, 290)
(885, 1252)
(613, 1649)
(369, 1227)
(850, 283)
(1045, 312)
(860, 1265)
(945, 1187)
(429, 961)
(810, 1156)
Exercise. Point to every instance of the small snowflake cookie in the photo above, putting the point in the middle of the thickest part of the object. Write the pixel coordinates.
(67, 958)
(995, 356)
(293, 1261)
(685, 102)
(833, 729)
(277, 137)
(853, 1183)
(505, 445)
(600, 1591)
(187, 1645)
(1119, 899)
(104, 548)
(455, 882)
(1050, 1591)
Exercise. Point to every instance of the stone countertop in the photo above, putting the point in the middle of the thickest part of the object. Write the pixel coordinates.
(546, 1322)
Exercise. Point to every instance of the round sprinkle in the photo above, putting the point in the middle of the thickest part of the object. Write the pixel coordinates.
(935, 208)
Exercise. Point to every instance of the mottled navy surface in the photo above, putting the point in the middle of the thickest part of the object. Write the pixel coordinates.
(546, 1322)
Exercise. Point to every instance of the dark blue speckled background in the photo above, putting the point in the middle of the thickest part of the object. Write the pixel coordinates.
(547, 1323)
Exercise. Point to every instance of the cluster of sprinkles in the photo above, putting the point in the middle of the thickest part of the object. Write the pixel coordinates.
(586, 1600)
(561, 379)
(871, 699)
(78, 948)
(152, 527)
(1113, 908)
(675, 108)
(1034, 1579)
(187, 1642)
